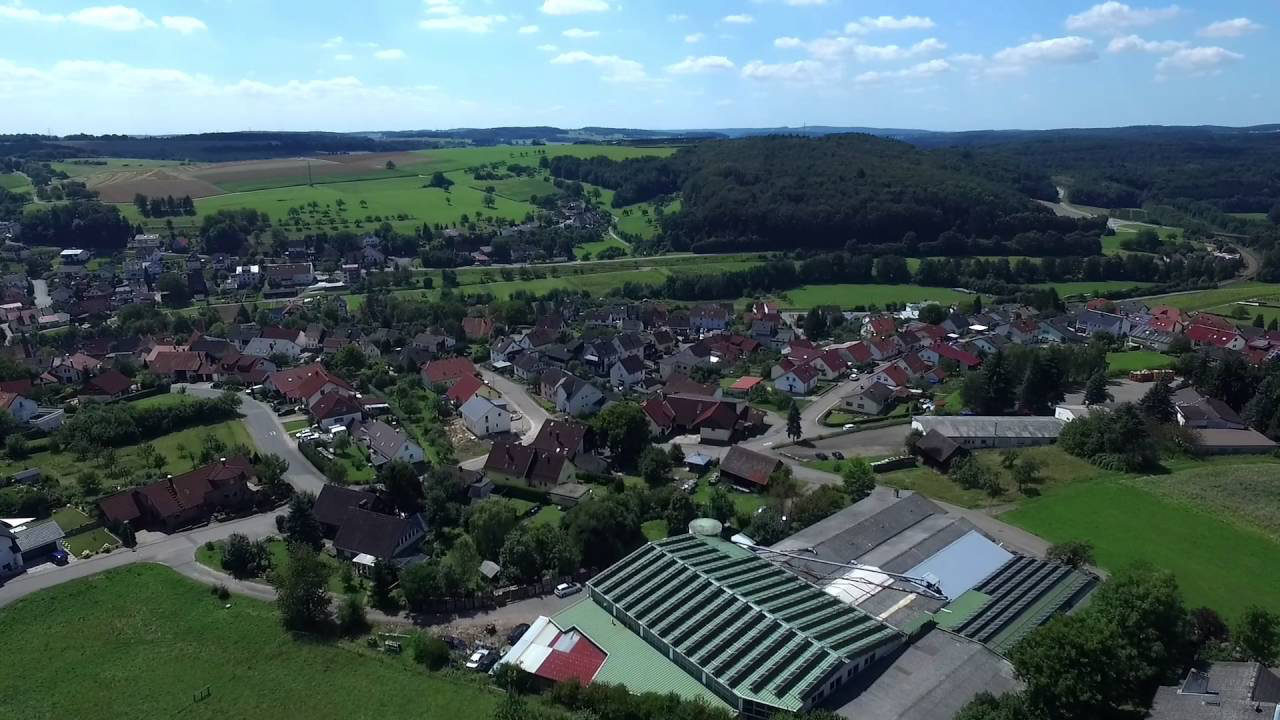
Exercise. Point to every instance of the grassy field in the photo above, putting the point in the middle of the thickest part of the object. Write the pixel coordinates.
(70, 518)
(608, 242)
(654, 529)
(743, 502)
(1219, 298)
(849, 295)
(112, 165)
(141, 641)
(1250, 216)
(548, 515)
(293, 426)
(279, 551)
(1119, 363)
(65, 466)
(15, 182)
(163, 400)
(640, 220)
(1093, 289)
(1217, 563)
(520, 189)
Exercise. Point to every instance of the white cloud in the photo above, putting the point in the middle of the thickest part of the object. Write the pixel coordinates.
(116, 18)
(344, 57)
(965, 59)
(389, 54)
(787, 42)
(694, 65)
(333, 42)
(548, 47)
(1133, 43)
(574, 7)
(694, 38)
(580, 34)
(26, 14)
(1197, 61)
(677, 17)
(528, 29)
(1113, 17)
(805, 3)
(1069, 49)
(740, 19)
(1233, 28)
(183, 24)
(451, 17)
(800, 72)
(929, 68)
(836, 48)
(888, 22)
(616, 69)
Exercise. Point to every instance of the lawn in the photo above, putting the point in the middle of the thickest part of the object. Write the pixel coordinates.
(1242, 490)
(108, 165)
(293, 426)
(608, 242)
(69, 518)
(1217, 563)
(641, 220)
(654, 529)
(212, 557)
(65, 466)
(548, 515)
(1218, 297)
(93, 541)
(15, 182)
(359, 471)
(1094, 289)
(744, 503)
(153, 640)
(518, 189)
(1121, 363)
(849, 295)
(162, 400)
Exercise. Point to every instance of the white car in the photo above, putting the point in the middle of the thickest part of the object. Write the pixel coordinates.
(476, 658)
(564, 590)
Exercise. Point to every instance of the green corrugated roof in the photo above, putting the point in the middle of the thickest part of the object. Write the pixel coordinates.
(961, 609)
(759, 630)
(631, 661)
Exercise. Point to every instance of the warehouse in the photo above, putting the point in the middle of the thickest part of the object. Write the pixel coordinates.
(976, 431)
(756, 637)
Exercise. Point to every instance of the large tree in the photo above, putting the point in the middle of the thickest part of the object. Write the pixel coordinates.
(655, 466)
(1095, 390)
(403, 485)
(532, 552)
(1157, 403)
(624, 429)
(794, 431)
(302, 590)
(489, 523)
(300, 524)
(1257, 634)
(604, 530)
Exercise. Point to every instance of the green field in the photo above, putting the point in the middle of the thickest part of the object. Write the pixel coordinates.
(1217, 563)
(1250, 216)
(518, 189)
(279, 551)
(654, 529)
(640, 220)
(1094, 289)
(608, 242)
(849, 295)
(548, 515)
(1219, 297)
(78, 170)
(142, 641)
(162, 400)
(65, 466)
(15, 182)
(1119, 363)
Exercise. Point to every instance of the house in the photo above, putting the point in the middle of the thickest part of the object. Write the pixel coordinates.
(178, 365)
(434, 342)
(365, 537)
(873, 398)
(72, 369)
(10, 553)
(1221, 691)
(106, 386)
(184, 500)
(800, 380)
(19, 407)
(564, 437)
(334, 502)
(570, 394)
(483, 418)
(28, 544)
(288, 276)
(709, 318)
(336, 410)
(830, 364)
(627, 372)
(938, 450)
(1151, 338)
(937, 353)
(306, 384)
(448, 371)
(528, 367)
(468, 387)
(477, 328)
(387, 444)
(1202, 335)
(743, 386)
(714, 420)
(1205, 412)
(685, 361)
(975, 431)
(892, 375)
(678, 384)
(748, 469)
(74, 256)
(879, 326)
(1057, 330)
(1089, 322)
(528, 465)
(277, 340)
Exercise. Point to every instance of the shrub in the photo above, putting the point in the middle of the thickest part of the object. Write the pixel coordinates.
(429, 651)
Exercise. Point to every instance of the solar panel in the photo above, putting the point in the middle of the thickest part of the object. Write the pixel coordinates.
(822, 618)
(803, 599)
(641, 579)
(761, 658)
(790, 683)
(726, 642)
(751, 644)
(771, 674)
(705, 595)
(729, 578)
(723, 625)
(759, 591)
(658, 599)
(616, 571)
(657, 586)
(714, 611)
(847, 626)
(857, 638)
(822, 605)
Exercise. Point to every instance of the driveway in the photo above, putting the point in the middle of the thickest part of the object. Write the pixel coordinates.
(270, 437)
(518, 396)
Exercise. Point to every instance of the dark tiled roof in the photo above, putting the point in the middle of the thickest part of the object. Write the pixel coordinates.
(373, 533)
(749, 465)
(334, 502)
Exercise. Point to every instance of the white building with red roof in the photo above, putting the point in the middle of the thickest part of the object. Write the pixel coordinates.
(556, 655)
(307, 384)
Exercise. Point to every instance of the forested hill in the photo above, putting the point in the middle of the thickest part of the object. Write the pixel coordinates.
(831, 192)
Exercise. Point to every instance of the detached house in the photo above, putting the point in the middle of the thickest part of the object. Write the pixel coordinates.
(800, 380)
(336, 410)
(183, 500)
(748, 469)
(627, 372)
(448, 371)
(273, 340)
(387, 444)
(307, 384)
(571, 395)
(484, 418)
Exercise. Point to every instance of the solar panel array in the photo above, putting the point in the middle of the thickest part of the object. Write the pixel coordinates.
(754, 628)
(1025, 592)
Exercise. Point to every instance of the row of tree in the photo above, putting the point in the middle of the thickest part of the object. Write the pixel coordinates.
(167, 206)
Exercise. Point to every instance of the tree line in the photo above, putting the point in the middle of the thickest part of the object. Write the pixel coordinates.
(168, 206)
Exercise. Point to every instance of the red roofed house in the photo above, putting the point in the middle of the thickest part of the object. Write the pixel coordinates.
(1210, 320)
(748, 469)
(942, 351)
(718, 421)
(179, 366)
(879, 325)
(19, 407)
(477, 328)
(448, 371)
(106, 386)
(468, 386)
(183, 500)
(1201, 335)
(800, 380)
(71, 369)
(336, 409)
(830, 364)
(307, 384)
(743, 385)
(858, 353)
(554, 655)
(891, 375)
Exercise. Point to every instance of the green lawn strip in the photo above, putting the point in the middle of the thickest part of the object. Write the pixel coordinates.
(1217, 563)
(1097, 288)
(608, 242)
(93, 541)
(743, 502)
(212, 558)
(293, 426)
(14, 182)
(1119, 363)
(70, 518)
(548, 515)
(654, 529)
(1205, 299)
(849, 295)
(156, 639)
(163, 400)
(359, 471)
(1242, 490)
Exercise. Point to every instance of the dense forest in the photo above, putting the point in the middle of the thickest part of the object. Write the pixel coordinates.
(85, 224)
(832, 192)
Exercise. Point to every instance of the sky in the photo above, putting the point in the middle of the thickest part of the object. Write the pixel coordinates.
(150, 67)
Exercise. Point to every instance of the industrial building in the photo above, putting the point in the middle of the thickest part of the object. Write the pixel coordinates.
(996, 431)
(748, 633)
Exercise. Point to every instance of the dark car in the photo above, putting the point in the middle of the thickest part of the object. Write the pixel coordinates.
(455, 643)
(820, 455)
(516, 633)
(837, 454)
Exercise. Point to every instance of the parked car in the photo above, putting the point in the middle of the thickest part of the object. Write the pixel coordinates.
(820, 455)
(516, 633)
(455, 643)
(837, 454)
(478, 658)
(564, 590)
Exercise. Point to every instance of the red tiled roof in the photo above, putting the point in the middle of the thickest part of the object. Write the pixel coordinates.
(745, 383)
(805, 373)
(301, 383)
(111, 382)
(168, 363)
(442, 371)
(279, 333)
(882, 325)
(463, 389)
(332, 405)
(1206, 335)
(952, 352)
(573, 656)
(477, 328)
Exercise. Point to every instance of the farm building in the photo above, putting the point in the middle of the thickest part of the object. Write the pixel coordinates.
(977, 431)
(745, 631)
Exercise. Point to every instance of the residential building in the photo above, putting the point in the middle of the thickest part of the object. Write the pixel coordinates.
(277, 340)
(872, 398)
(483, 418)
(334, 502)
(714, 420)
(387, 444)
(106, 386)
(1221, 691)
(306, 384)
(448, 371)
(627, 372)
(748, 469)
(19, 407)
(28, 544)
(469, 386)
(184, 500)
(570, 394)
(74, 256)
(800, 380)
(336, 410)
(564, 437)
(365, 537)
(527, 465)
(288, 276)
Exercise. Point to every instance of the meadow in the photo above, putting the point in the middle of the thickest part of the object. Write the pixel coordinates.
(849, 295)
(14, 182)
(142, 641)
(1220, 300)
(102, 165)
(1120, 363)
(1096, 288)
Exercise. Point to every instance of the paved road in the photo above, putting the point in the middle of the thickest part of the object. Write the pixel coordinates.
(270, 437)
(518, 395)
(41, 288)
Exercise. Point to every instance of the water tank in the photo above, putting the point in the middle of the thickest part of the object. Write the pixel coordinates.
(705, 526)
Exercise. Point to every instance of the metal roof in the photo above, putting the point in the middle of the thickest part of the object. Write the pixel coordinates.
(754, 631)
(959, 426)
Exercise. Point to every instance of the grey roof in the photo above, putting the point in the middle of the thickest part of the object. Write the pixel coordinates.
(929, 680)
(30, 537)
(382, 438)
(1227, 438)
(475, 408)
(979, 426)
(376, 534)
(1225, 691)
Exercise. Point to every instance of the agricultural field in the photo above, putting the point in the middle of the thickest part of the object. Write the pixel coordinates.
(518, 189)
(15, 182)
(1098, 288)
(90, 167)
(142, 641)
(608, 242)
(1121, 363)
(849, 295)
(1220, 300)
(639, 219)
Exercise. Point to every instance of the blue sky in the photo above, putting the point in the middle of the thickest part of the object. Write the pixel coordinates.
(201, 65)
